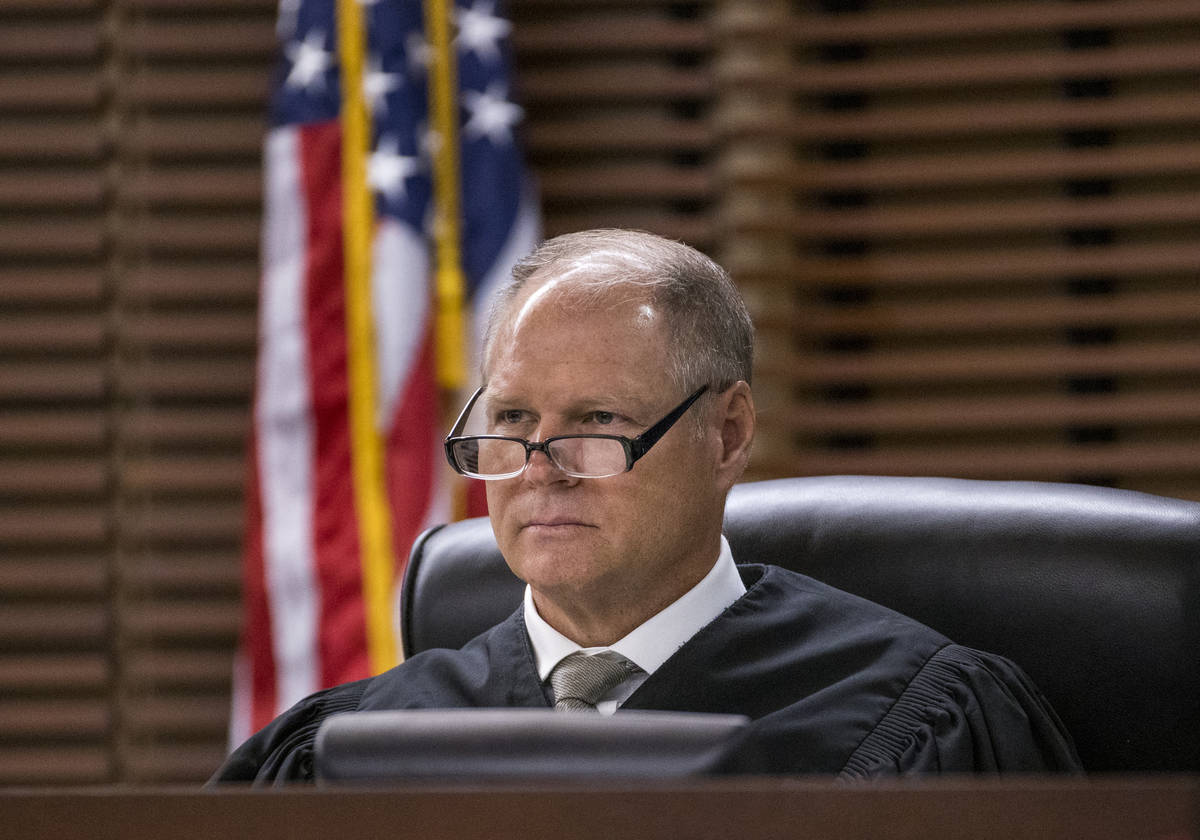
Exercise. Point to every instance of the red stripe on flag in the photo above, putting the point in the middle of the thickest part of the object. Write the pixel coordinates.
(476, 498)
(256, 618)
(411, 449)
(341, 639)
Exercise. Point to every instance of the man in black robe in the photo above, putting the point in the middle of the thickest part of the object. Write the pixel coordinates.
(615, 415)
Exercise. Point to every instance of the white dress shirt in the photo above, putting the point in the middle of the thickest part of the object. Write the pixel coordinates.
(651, 643)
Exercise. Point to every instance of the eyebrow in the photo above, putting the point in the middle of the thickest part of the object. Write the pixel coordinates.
(581, 405)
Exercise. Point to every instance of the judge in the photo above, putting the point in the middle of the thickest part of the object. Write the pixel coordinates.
(616, 413)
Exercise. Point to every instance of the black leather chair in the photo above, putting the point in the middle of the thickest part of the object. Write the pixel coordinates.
(1094, 592)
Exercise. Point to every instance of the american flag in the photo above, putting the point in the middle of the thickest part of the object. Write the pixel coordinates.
(304, 626)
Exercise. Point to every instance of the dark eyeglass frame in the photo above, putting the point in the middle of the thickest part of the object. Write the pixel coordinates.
(634, 448)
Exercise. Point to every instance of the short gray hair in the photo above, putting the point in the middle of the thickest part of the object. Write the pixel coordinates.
(711, 331)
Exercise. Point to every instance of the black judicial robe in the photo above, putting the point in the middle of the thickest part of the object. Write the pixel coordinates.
(834, 684)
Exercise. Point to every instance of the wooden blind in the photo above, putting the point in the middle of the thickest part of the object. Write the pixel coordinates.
(191, 109)
(619, 101)
(57, 523)
(971, 232)
(129, 193)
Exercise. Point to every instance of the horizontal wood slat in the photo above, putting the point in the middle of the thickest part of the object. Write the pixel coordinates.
(993, 70)
(182, 573)
(611, 34)
(168, 475)
(44, 526)
(981, 19)
(186, 137)
(54, 718)
(627, 183)
(216, 330)
(188, 37)
(162, 621)
(51, 190)
(967, 118)
(698, 229)
(221, 233)
(643, 131)
(180, 89)
(232, 282)
(201, 380)
(51, 90)
(625, 82)
(52, 381)
(67, 285)
(985, 316)
(993, 265)
(40, 625)
(73, 137)
(217, 525)
(929, 170)
(995, 364)
(173, 762)
(59, 237)
(61, 40)
(55, 429)
(55, 765)
(179, 669)
(64, 332)
(1043, 411)
(64, 673)
(48, 576)
(221, 187)
(209, 425)
(183, 717)
(943, 218)
(1029, 462)
(45, 477)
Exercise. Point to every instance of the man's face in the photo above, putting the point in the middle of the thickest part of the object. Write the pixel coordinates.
(640, 538)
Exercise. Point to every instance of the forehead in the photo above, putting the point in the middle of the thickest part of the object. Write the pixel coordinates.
(565, 336)
(546, 308)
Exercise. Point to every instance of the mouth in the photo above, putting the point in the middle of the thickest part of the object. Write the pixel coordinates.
(553, 524)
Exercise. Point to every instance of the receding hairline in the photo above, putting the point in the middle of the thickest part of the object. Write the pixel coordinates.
(695, 293)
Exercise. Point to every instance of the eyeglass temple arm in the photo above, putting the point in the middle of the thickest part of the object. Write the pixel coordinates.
(641, 444)
(456, 430)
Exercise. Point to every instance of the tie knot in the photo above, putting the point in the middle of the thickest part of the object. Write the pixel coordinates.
(580, 679)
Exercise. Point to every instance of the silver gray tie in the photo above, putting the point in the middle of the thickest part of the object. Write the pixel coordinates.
(580, 680)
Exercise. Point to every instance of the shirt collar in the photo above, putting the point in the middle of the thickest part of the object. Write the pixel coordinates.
(650, 644)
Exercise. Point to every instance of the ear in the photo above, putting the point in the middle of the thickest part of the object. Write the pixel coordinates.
(736, 420)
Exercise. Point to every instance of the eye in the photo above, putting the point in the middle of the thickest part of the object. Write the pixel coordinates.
(508, 417)
(602, 418)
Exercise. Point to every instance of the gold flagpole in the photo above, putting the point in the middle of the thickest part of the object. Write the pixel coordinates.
(450, 283)
(358, 216)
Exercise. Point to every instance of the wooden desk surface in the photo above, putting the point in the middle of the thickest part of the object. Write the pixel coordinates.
(738, 809)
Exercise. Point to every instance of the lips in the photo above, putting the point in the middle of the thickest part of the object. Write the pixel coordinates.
(556, 523)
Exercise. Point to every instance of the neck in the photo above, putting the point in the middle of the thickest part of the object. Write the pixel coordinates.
(600, 619)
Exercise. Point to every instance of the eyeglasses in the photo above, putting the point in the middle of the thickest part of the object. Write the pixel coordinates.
(491, 457)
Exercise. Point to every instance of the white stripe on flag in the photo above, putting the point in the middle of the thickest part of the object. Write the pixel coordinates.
(283, 423)
(523, 237)
(400, 296)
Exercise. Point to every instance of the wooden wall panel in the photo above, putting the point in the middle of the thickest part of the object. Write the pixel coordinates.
(982, 218)
(619, 100)
(57, 660)
(192, 118)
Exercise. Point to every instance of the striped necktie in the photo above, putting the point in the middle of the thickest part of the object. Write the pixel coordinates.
(580, 680)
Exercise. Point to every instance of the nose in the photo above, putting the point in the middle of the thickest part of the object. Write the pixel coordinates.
(541, 470)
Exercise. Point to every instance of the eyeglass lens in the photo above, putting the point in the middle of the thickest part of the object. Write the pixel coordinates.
(579, 456)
